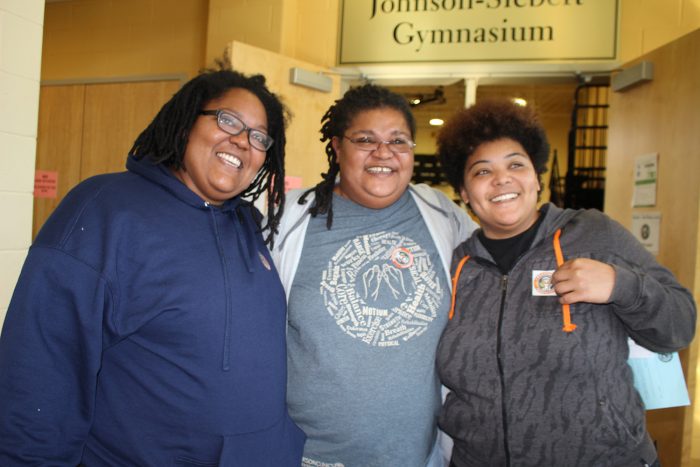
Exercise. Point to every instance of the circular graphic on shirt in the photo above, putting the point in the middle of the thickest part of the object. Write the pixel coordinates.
(382, 288)
(402, 258)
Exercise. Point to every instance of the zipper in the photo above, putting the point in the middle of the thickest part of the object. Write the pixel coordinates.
(501, 372)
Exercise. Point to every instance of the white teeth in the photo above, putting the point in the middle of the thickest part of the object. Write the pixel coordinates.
(504, 197)
(229, 159)
(379, 170)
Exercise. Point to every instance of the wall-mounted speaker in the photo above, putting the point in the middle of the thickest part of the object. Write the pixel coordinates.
(310, 79)
(632, 76)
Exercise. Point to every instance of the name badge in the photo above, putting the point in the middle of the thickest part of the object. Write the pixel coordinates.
(542, 283)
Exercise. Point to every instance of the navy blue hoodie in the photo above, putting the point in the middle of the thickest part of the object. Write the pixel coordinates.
(147, 328)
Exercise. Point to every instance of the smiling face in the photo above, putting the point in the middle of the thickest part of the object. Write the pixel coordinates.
(501, 187)
(377, 178)
(218, 166)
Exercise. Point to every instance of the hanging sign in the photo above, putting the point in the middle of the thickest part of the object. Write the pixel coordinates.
(396, 31)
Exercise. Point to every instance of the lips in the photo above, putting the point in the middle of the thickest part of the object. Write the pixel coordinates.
(230, 159)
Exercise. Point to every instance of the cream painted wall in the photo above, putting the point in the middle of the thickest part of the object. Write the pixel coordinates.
(21, 23)
(648, 24)
(87, 39)
(254, 22)
(310, 30)
(301, 29)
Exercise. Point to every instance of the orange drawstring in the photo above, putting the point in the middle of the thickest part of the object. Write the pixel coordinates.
(454, 285)
(565, 309)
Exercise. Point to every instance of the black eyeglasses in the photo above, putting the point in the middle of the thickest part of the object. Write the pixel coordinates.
(234, 126)
(370, 143)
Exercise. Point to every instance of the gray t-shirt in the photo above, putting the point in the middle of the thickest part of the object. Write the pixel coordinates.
(367, 306)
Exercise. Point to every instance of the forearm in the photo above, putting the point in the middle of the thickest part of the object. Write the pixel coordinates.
(658, 312)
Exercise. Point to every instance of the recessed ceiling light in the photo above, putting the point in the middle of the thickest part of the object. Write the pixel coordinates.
(436, 121)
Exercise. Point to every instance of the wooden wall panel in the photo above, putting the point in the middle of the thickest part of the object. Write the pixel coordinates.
(59, 143)
(115, 114)
(88, 129)
(662, 116)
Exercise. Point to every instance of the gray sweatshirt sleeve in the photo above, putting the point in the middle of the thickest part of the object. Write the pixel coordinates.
(658, 312)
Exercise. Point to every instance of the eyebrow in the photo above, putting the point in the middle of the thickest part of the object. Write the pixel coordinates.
(483, 161)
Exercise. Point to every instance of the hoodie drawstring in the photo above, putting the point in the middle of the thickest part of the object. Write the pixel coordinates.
(565, 308)
(226, 359)
(454, 285)
(246, 245)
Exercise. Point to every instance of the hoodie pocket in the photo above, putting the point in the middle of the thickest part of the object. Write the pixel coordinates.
(615, 430)
(280, 445)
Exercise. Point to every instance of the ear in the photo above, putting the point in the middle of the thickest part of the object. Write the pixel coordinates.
(335, 143)
(463, 194)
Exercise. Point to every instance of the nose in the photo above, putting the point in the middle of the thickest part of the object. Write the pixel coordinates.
(383, 151)
(240, 140)
(502, 177)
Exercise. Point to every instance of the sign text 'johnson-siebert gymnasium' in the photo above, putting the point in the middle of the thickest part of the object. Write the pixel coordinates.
(395, 31)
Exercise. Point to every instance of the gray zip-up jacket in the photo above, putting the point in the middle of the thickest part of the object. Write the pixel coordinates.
(526, 393)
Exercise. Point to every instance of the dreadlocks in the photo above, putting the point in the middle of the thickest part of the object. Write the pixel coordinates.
(165, 139)
(335, 122)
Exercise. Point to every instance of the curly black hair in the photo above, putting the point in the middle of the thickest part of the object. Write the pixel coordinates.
(165, 139)
(484, 122)
(335, 122)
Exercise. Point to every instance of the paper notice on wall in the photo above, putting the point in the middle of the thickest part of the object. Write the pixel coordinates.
(658, 377)
(45, 184)
(645, 177)
(292, 183)
(646, 226)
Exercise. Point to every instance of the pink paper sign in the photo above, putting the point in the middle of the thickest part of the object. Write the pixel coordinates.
(291, 183)
(45, 184)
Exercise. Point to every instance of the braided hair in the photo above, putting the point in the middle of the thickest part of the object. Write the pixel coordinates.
(165, 139)
(335, 122)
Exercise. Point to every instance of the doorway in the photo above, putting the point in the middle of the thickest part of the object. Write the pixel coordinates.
(552, 100)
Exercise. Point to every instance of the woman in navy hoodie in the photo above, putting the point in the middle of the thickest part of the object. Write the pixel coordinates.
(147, 327)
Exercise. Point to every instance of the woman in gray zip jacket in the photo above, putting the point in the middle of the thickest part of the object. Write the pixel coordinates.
(535, 351)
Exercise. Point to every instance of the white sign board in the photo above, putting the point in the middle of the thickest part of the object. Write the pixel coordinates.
(646, 170)
(645, 227)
